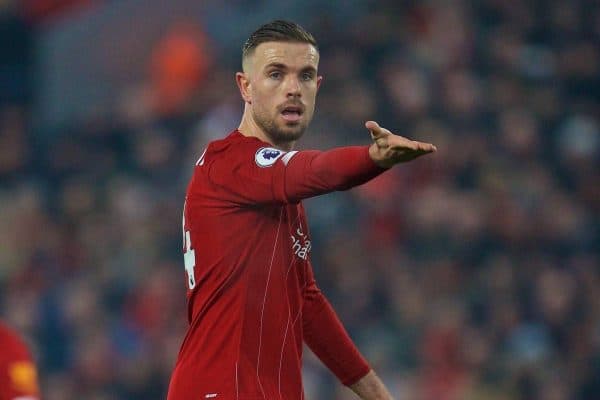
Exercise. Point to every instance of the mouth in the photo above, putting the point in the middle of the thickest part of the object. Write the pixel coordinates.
(292, 113)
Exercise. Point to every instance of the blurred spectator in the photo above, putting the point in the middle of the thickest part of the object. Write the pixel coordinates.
(179, 65)
(18, 373)
(43, 10)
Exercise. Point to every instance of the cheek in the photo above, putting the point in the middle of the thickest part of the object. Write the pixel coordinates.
(310, 97)
(310, 91)
(263, 94)
(263, 103)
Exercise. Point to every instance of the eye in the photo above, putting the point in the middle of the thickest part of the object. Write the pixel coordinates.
(307, 76)
(275, 75)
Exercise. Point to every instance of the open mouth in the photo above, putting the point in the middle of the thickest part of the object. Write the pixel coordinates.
(292, 113)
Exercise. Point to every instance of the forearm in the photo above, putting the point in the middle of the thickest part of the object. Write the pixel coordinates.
(327, 338)
(311, 173)
(370, 387)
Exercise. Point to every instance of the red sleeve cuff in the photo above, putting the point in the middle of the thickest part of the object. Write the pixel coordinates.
(352, 379)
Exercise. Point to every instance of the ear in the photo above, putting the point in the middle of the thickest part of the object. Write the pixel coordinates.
(319, 80)
(244, 86)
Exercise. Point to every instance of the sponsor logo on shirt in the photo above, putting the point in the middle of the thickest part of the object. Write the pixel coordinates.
(300, 244)
(266, 156)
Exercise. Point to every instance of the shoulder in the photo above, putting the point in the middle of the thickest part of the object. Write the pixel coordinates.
(239, 149)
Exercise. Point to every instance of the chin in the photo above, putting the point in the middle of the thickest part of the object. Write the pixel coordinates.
(294, 132)
(287, 133)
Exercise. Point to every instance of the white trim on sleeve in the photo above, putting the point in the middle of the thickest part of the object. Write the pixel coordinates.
(288, 156)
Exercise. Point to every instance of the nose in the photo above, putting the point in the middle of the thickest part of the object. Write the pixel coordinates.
(292, 86)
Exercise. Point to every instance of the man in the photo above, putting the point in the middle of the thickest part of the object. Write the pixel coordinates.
(252, 296)
(18, 376)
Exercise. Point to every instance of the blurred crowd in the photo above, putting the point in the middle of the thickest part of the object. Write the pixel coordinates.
(467, 275)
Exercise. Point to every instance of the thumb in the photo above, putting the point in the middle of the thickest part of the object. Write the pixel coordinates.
(377, 132)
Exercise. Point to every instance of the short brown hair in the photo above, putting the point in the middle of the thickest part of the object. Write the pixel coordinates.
(277, 31)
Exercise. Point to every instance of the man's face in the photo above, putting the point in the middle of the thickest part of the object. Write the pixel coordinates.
(282, 86)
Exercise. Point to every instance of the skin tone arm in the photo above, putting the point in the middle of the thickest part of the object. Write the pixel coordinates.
(370, 387)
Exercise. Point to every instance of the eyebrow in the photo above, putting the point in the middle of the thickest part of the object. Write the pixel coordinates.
(276, 65)
(308, 68)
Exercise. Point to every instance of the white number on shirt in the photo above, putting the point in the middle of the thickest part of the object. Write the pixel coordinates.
(189, 257)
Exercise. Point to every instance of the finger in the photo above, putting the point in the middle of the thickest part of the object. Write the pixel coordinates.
(376, 130)
(407, 144)
(401, 142)
(426, 147)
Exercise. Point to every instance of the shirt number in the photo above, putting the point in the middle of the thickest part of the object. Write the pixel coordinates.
(189, 255)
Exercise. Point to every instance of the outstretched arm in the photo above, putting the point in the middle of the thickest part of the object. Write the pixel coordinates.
(342, 168)
(290, 177)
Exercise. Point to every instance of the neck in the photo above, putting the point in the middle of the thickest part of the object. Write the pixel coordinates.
(249, 127)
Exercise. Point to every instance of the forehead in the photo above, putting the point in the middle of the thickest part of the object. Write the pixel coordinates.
(291, 54)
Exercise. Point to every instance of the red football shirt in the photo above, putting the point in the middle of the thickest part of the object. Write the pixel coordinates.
(252, 296)
(18, 376)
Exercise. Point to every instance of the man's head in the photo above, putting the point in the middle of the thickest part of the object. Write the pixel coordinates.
(279, 81)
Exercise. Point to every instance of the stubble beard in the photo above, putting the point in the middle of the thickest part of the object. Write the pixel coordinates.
(280, 134)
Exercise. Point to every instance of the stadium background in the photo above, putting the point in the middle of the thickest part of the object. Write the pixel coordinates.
(470, 274)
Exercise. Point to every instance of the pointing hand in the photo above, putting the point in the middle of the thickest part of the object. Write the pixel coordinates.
(389, 149)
